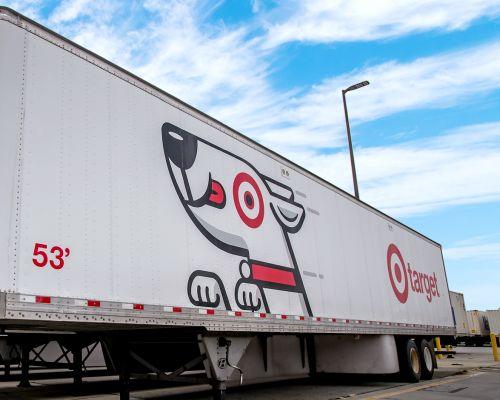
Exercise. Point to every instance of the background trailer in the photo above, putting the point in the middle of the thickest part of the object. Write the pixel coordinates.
(460, 319)
(131, 218)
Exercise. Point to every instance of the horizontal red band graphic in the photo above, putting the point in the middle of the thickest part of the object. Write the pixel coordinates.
(273, 275)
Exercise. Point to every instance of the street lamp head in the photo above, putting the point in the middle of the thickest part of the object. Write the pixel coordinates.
(351, 152)
(356, 86)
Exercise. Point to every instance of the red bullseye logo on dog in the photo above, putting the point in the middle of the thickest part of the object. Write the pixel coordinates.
(248, 200)
(397, 273)
(403, 277)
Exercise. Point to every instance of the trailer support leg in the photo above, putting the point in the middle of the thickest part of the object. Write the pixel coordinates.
(263, 345)
(219, 390)
(7, 369)
(311, 355)
(77, 363)
(302, 341)
(25, 361)
(124, 373)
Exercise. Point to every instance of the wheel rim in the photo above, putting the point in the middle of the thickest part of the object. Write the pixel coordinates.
(414, 361)
(427, 358)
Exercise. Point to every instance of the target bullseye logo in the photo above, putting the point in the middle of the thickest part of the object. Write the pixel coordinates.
(397, 273)
(248, 200)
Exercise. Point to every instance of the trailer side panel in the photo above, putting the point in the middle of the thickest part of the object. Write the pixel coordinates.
(129, 198)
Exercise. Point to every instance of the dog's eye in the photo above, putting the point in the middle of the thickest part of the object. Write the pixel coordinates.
(248, 200)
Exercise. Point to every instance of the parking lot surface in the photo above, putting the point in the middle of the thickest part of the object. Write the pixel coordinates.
(471, 374)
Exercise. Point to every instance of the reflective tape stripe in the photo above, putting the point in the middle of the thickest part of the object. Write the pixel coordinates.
(42, 299)
(235, 313)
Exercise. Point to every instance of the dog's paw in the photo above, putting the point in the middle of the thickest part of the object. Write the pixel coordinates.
(249, 295)
(205, 289)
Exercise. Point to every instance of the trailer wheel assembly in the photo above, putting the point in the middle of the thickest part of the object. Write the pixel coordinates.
(427, 359)
(410, 366)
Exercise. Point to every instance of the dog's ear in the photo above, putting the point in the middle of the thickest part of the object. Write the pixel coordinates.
(287, 212)
(278, 189)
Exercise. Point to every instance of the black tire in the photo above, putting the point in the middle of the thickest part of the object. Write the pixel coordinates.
(427, 359)
(410, 367)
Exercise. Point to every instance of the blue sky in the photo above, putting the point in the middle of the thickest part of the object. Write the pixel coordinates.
(426, 130)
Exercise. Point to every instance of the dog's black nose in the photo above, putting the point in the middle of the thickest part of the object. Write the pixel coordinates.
(180, 146)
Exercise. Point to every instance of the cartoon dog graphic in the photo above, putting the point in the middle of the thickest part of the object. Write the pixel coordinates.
(240, 211)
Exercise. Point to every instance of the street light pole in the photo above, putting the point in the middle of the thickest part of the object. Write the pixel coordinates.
(348, 128)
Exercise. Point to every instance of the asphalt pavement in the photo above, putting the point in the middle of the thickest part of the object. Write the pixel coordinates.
(471, 374)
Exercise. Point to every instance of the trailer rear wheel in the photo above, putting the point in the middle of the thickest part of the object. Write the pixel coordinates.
(427, 359)
(409, 360)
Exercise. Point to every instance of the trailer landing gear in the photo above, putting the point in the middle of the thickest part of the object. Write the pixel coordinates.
(25, 367)
(219, 391)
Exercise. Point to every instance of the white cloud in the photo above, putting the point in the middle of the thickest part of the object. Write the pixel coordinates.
(351, 20)
(211, 67)
(415, 177)
(472, 264)
(30, 8)
(480, 251)
(69, 10)
(256, 5)
(483, 248)
(438, 81)
(216, 68)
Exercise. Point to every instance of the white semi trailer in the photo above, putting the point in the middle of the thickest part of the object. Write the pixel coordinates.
(460, 317)
(479, 327)
(494, 321)
(128, 216)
